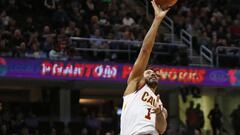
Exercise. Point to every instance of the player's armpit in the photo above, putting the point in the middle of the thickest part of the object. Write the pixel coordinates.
(131, 87)
(134, 85)
(140, 64)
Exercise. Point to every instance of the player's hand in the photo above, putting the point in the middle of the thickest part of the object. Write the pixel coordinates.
(158, 11)
(159, 107)
(157, 110)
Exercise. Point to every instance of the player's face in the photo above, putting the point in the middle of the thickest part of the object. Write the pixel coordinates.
(151, 78)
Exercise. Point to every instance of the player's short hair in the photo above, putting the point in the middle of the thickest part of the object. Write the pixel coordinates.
(150, 67)
(153, 68)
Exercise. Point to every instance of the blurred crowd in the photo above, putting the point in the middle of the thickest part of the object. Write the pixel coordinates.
(39, 119)
(30, 119)
(41, 29)
(212, 23)
(38, 29)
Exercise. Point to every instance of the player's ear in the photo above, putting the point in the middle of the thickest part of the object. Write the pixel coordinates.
(144, 74)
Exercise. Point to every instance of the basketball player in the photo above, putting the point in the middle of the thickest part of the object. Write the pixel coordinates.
(143, 112)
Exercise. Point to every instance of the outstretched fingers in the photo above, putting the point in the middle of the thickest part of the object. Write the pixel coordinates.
(159, 12)
(155, 6)
(159, 107)
(159, 102)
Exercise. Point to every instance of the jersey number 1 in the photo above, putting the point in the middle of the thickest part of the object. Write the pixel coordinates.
(148, 116)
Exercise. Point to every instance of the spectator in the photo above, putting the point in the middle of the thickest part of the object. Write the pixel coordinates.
(123, 10)
(90, 8)
(97, 43)
(191, 120)
(34, 48)
(235, 29)
(16, 40)
(103, 19)
(29, 26)
(33, 40)
(47, 32)
(57, 53)
(79, 14)
(127, 35)
(47, 44)
(4, 19)
(5, 50)
(60, 17)
(71, 29)
(21, 50)
(204, 39)
(128, 20)
(215, 117)
(12, 25)
(94, 20)
(200, 118)
(235, 115)
(114, 19)
(12, 6)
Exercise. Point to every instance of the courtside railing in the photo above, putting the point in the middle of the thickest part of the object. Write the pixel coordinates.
(207, 55)
(120, 46)
(168, 22)
(186, 38)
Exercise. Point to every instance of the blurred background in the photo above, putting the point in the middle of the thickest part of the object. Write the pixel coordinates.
(64, 65)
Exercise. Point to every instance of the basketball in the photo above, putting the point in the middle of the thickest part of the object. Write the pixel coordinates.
(165, 4)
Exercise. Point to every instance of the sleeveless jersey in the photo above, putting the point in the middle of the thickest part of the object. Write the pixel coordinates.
(136, 117)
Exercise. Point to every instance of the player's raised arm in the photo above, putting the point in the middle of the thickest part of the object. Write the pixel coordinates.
(148, 42)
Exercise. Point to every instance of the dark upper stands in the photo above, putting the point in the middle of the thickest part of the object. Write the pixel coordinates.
(41, 29)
